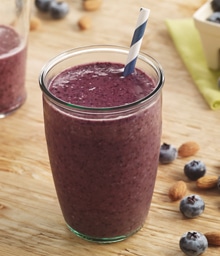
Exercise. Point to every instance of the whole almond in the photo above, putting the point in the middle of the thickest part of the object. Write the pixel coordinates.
(91, 5)
(213, 237)
(189, 148)
(207, 181)
(177, 190)
(35, 23)
(84, 22)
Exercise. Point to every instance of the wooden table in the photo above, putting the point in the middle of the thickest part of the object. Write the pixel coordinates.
(31, 222)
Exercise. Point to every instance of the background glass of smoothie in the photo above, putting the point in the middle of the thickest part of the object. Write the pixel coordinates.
(103, 134)
(14, 28)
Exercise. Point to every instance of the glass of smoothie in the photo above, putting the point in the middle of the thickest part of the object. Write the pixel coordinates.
(14, 28)
(103, 134)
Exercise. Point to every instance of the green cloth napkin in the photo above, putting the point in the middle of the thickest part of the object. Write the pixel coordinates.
(188, 44)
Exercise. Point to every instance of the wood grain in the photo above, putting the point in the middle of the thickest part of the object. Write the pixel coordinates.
(31, 223)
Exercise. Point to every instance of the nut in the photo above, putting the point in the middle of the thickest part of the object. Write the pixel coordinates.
(213, 237)
(206, 182)
(177, 190)
(91, 5)
(35, 23)
(85, 23)
(189, 148)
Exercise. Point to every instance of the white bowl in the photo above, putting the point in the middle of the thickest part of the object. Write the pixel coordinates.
(209, 34)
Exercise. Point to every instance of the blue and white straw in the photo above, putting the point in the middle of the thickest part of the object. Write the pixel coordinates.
(136, 41)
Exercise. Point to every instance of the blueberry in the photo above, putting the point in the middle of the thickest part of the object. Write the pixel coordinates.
(193, 243)
(195, 169)
(215, 4)
(168, 153)
(214, 17)
(192, 206)
(43, 5)
(58, 10)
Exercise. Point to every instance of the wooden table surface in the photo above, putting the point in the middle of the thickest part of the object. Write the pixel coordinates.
(31, 222)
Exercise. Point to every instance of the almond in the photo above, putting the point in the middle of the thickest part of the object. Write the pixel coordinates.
(206, 182)
(91, 5)
(213, 237)
(85, 22)
(35, 23)
(189, 148)
(177, 190)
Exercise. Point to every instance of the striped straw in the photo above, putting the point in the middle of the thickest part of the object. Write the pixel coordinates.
(136, 41)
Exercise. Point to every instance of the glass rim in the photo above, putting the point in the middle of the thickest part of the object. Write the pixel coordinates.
(99, 48)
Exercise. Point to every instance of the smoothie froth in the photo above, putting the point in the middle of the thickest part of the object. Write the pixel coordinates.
(101, 85)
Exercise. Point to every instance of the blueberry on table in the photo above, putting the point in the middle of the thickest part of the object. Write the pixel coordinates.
(192, 206)
(193, 243)
(195, 169)
(58, 10)
(215, 4)
(214, 17)
(43, 5)
(168, 153)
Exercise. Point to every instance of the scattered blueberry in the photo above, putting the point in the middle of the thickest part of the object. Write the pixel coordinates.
(168, 153)
(58, 10)
(195, 169)
(192, 206)
(193, 243)
(215, 4)
(214, 17)
(43, 5)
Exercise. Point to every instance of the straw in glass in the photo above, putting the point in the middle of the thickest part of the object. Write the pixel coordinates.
(136, 41)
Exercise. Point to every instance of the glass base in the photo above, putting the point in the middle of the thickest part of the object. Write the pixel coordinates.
(4, 115)
(105, 240)
(11, 110)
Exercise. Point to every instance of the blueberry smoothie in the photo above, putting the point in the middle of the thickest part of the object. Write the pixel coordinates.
(103, 158)
(12, 70)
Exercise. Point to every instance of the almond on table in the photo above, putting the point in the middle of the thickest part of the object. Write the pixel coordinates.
(213, 237)
(207, 181)
(84, 22)
(177, 190)
(188, 148)
(92, 5)
(35, 23)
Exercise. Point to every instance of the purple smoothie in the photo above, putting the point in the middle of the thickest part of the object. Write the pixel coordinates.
(12, 70)
(104, 169)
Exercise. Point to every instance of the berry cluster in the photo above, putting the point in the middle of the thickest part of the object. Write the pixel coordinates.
(191, 206)
(168, 153)
(194, 169)
(57, 10)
